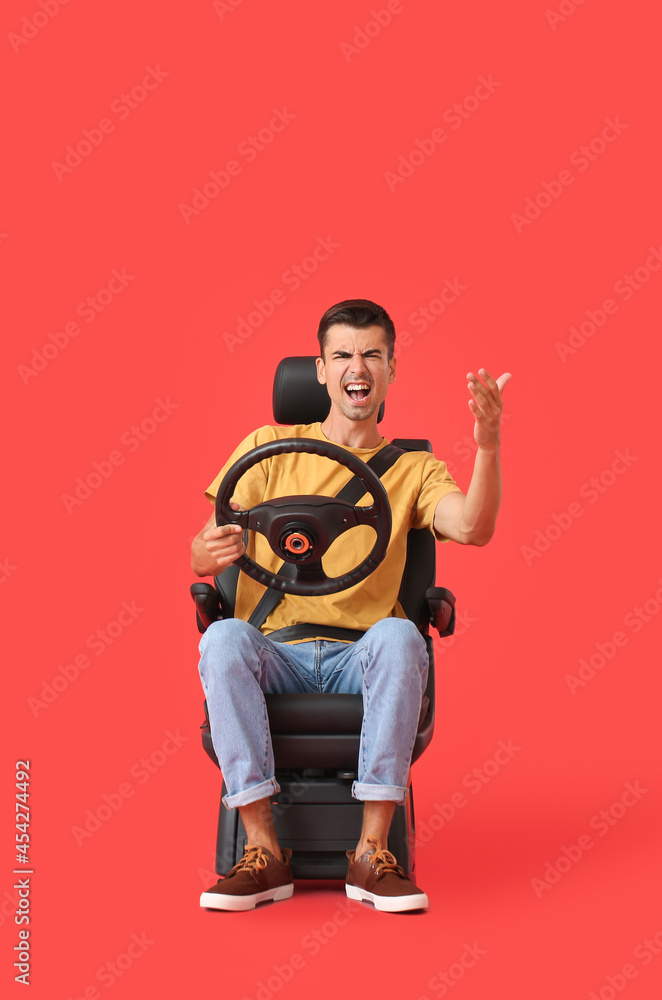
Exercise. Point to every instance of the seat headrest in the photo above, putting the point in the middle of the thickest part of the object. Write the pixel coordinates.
(298, 397)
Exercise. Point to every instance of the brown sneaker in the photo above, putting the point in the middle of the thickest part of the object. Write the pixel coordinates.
(377, 877)
(257, 877)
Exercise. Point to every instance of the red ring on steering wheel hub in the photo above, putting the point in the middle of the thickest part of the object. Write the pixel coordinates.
(297, 543)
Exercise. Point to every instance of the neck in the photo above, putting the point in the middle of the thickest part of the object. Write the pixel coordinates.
(351, 433)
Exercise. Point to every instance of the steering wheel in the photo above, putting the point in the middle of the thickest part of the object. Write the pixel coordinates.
(300, 529)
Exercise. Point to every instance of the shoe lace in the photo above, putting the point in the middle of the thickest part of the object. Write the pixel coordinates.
(383, 861)
(254, 858)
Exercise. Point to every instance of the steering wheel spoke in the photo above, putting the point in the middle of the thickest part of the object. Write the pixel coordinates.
(311, 572)
(240, 517)
(368, 515)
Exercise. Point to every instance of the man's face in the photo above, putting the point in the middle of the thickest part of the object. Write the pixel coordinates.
(356, 369)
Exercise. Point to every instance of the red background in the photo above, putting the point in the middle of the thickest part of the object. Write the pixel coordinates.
(528, 618)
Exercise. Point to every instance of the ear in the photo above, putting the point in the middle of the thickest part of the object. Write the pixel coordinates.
(321, 371)
(391, 370)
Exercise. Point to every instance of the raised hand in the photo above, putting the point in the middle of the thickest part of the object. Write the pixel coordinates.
(486, 404)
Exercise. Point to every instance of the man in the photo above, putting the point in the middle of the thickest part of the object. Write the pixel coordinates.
(389, 664)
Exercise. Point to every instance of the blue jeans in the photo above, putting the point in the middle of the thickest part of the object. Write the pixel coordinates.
(238, 664)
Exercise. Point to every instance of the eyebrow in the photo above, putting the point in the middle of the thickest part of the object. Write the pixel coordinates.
(364, 354)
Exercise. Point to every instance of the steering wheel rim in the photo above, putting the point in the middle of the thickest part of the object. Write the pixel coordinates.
(310, 579)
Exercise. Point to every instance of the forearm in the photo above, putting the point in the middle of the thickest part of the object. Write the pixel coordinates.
(478, 518)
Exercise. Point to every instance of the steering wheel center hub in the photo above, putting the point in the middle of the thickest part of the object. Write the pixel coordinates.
(297, 543)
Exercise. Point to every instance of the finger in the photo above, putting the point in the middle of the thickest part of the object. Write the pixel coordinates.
(220, 530)
(480, 413)
(476, 386)
(224, 542)
(489, 381)
(227, 538)
(492, 386)
(228, 557)
(484, 398)
(475, 380)
(226, 554)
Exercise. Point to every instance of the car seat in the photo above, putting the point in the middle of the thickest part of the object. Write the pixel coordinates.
(316, 736)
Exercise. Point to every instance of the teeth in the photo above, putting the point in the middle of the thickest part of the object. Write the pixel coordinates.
(357, 385)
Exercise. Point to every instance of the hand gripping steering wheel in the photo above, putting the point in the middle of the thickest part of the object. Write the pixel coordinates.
(300, 529)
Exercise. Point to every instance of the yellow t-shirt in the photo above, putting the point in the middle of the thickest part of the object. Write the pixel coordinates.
(414, 485)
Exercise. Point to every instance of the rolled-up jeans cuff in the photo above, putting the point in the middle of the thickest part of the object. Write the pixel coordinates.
(379, 793)
(261, 791)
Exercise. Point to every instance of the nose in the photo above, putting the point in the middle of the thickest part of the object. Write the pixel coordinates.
(358, 365)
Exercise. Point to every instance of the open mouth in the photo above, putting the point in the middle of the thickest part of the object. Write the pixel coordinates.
(357, 391)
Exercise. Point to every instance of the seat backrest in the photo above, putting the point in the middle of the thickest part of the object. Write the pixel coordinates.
(419, 575)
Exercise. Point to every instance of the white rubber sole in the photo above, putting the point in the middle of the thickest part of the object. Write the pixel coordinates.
(217, 901)
(390, 904)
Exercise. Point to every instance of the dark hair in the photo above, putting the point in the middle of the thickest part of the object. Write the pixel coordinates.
(359, 313)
